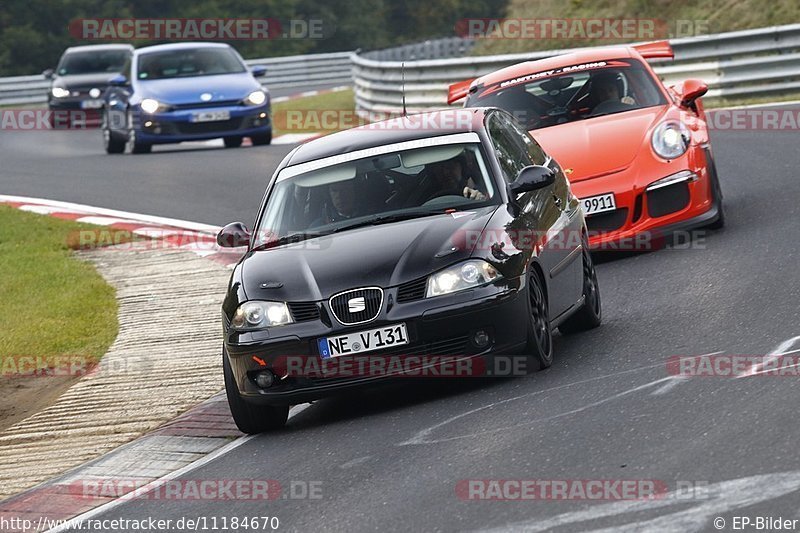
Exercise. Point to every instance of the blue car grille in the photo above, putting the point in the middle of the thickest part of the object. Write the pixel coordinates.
(190, 128)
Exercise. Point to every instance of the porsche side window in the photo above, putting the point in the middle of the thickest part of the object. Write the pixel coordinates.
(510, 152)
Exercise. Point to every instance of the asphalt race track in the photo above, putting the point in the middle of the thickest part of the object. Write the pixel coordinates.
(391, 458)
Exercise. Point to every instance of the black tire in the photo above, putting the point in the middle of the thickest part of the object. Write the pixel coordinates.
(251, 419)
(131, 144)
(540, 335)
(717, 193)
(233, 142)
(590, 315)
(111, 141)
(261, 139)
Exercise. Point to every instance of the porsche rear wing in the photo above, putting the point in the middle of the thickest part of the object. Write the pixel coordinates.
(653, 50)
(458, 90)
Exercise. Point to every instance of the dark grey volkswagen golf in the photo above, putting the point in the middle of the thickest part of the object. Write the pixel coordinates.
(402, 248)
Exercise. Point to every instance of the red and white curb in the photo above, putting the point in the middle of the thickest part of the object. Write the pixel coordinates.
(191, 236)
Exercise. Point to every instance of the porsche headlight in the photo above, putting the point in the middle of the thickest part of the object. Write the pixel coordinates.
(257, 315)
(466, 275)
(671, 139)
(59, 92)
(149, 105)
(256, 98)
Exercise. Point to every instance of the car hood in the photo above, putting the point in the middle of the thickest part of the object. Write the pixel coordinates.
(599, 146)
(98, 80)
(385, 255)
(177, 91)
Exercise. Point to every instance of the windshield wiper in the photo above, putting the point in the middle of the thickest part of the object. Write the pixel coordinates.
(288, 239)
(386, 219)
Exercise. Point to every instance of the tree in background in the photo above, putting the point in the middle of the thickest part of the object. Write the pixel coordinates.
(34, 33)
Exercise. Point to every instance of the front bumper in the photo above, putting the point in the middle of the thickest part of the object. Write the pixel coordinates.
(177, 126)
(644, 217)
(439, 329)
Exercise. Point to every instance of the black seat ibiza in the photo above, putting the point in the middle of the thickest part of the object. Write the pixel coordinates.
(405, 247)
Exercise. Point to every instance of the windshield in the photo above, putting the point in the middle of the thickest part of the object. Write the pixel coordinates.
(93, 62)
(187, 63)
(577, 92)
(374, 190)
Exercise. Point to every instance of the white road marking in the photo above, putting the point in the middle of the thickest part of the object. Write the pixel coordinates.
(722, 498)
(677, 380)
(421, 437)
(781, 349)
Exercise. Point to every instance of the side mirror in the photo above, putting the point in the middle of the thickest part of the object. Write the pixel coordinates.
(233, 235)
(530, 179)
(118, 81)
(692, 90)
(48, 74)
(258, 70)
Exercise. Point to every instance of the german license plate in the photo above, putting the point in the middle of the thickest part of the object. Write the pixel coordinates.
(91, 104)
(598, 204)
(363, 341)
(211, 116)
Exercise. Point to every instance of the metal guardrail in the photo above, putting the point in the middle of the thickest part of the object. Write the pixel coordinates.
(291, 71)
(764, 61)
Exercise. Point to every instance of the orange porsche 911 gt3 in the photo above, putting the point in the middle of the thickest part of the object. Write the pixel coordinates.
(636, 152)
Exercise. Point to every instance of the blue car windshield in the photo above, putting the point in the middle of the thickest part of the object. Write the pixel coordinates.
(187, 63)
(93, 62)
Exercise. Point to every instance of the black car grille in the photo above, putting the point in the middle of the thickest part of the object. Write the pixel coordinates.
(610, 221)
(454, 347)
(190, 128)
(304, 311)
(669, 199)
(371, 298)
(412, 290)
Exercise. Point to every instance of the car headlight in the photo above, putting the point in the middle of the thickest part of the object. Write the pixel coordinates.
(256, 98)
(59, 92)
(671, 139)
(149, 105)
(257, 315)
(466, 275)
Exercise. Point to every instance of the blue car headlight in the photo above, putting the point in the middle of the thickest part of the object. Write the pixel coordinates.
(256, 98)
(150, 105)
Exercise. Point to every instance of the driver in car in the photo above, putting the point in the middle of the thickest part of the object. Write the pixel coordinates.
(449, 180)
(342, 203)
(606, 88)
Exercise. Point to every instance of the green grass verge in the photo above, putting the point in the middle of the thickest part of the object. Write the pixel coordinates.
(305, 115)
(53, 304)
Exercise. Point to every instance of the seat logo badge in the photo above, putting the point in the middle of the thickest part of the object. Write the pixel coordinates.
(205, 97)
(356, 305)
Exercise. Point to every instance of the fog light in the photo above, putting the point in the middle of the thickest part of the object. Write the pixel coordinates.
(262, 115)
(148, 124)
(265, 379)
(480, 339)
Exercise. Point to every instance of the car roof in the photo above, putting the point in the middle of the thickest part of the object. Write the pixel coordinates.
(563, 60)
(391, 131)
(179, 46)
(98, 48)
